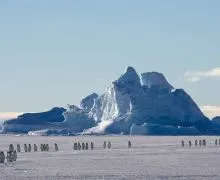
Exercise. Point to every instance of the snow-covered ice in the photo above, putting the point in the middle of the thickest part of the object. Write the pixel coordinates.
(149, 158)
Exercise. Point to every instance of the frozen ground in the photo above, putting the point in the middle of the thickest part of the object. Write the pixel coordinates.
(149, 158)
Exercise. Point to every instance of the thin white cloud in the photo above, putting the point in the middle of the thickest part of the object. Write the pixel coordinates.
(194, 76)
(9, 115)
(211, 111)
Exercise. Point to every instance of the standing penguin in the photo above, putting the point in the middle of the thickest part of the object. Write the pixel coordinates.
(18, 148)
(200, 142)
(25, 148)
(35, 148)
(11, 148)
(182, 142)
(204, 142)
(109, 145)
(9, 156)
(196, 142)
(83, 146)
(41, 147)
(87, 146)
(56, 147)
(78, 146)
(75, 146)
(14, 156)
(29, 148)
(92, 146)
(104, 145)
(47, 147)
(44, 147)
(129, 144)
(190, 143)
(216, 142)
(2, 157)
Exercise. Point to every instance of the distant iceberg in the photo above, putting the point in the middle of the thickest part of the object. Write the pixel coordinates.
(49, 132)
(132, 104)
(155, 129)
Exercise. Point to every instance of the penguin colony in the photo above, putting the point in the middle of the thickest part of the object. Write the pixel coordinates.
(11, 155)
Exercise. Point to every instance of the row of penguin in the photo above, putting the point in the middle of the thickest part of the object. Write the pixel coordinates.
(12, 153)
(199, 143)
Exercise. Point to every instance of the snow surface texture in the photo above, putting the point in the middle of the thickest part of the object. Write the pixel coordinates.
(148, 101)
(154, 158)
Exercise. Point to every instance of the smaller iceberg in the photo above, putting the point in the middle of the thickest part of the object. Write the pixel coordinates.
(49, 132)
(155, 129)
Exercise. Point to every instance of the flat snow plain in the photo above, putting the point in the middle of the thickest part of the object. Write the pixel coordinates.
(149, 158)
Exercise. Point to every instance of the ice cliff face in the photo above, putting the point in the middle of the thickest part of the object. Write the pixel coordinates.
(76, 120)
(115, 103)
(88, 102)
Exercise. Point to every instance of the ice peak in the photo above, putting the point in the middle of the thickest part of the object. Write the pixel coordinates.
(130, 69)
(155, 79)
(130, 76)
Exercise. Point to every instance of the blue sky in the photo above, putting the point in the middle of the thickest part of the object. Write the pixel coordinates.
(56, 52)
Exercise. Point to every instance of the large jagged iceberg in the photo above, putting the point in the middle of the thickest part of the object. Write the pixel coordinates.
(129, 101)
(145, 104)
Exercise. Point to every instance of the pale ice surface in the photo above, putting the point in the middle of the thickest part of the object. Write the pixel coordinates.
(149, 158)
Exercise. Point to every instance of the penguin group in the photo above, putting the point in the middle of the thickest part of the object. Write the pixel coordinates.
(11, 155)
(200, 143)
(82, 146)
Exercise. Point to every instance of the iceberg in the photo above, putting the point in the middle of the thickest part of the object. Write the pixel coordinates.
(139, 105)
(155, 129)
(149, 99)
